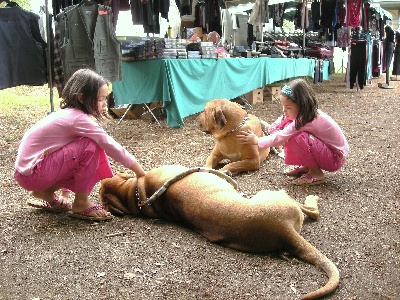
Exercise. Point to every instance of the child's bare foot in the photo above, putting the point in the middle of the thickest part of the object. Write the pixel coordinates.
(83, 208)
(296, 171)
(312, 177)
(49, 201)
(64, 196)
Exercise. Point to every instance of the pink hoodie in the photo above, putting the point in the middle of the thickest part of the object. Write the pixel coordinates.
(59, 129)
(322, 127)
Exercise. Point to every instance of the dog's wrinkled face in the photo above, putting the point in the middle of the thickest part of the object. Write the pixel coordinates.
(214, 118)
(117, 194)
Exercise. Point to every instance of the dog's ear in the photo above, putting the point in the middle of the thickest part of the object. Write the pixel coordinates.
(112, 204)
(124, 175)
(219, 117)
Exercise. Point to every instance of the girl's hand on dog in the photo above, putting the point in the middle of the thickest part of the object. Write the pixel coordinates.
(247, 137)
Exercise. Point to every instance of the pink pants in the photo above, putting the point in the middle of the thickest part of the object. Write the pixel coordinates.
(77, 166)
(306, 150)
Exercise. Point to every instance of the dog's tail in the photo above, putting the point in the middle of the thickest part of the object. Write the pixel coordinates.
(310, 207)
(307, 252)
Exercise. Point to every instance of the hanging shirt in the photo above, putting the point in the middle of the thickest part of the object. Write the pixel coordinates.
(22, 49)
(354, 12)
(88, 40)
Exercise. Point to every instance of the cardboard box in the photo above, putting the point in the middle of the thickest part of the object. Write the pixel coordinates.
(187, 24)
(199, 31)
(255, 96)
(270, 92)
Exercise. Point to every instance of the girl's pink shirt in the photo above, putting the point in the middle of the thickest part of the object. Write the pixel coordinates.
(322, 127)
(59, 129)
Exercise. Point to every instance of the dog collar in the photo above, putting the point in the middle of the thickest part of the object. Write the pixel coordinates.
(178, 177)
(237, 127)
(137, 199)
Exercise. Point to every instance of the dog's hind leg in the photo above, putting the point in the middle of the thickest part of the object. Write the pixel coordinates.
(310, 207)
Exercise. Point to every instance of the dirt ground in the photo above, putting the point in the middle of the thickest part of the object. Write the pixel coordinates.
(51, 256)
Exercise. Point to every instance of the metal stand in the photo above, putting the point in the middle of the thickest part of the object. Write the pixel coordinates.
(273, 95)
(342, 68)
(384, 86)
(246, 103)
(48, 49)
(148, 111)
(395, 78)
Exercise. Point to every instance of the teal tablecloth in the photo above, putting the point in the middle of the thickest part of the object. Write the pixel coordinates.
(185, 85)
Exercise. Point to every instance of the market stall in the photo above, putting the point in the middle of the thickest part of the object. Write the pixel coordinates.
(185, 86)
(84, 36)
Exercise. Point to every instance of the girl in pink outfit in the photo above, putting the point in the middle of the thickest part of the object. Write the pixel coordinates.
(312, 140)
(67, 151)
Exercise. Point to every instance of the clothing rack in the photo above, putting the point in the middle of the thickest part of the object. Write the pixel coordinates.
(48, 53)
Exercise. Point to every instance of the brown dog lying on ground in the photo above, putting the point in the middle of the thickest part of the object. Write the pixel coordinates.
(206, 202)
(224, 119)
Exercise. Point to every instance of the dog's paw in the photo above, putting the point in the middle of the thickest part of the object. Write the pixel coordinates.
(227, 172)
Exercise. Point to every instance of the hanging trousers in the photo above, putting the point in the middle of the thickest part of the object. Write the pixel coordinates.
(389, 48)
(358, 60)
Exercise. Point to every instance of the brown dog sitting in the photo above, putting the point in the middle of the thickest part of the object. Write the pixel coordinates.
(207, 202)
(224, 119)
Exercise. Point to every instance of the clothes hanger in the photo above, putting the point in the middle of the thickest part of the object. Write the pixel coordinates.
(87, 3)
(11, 3)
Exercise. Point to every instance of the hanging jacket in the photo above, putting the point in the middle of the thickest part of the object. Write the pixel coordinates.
(88, 41)
(22, 49)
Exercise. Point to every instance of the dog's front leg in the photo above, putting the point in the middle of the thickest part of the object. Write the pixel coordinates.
(242, 166)
(214, 158)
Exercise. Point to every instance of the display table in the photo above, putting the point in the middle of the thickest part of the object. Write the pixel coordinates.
(184, 86)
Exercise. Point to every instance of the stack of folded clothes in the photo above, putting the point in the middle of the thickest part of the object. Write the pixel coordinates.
(135, 48)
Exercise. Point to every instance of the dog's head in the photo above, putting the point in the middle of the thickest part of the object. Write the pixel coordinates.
(117, 194)
(220, 116)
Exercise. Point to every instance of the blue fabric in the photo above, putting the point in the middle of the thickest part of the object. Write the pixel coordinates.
(325, 73)
(186, 85)
(143, 82)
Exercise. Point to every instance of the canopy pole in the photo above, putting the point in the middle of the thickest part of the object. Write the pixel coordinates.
(48, 49)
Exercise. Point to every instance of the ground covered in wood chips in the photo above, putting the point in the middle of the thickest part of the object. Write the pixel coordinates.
(51, 256)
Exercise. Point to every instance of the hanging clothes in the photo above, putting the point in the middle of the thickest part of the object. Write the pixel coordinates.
(213, 16)
(342, 11)
(315, 15)
(358, 63)
(328, 13)
(301, 15)
(22, 49)
(396, 61)
(376, 58)
(117, 6)
(88, 40)
(354, 12)
(59, 5)
(277, 11)
(368, 74)
(185, 7)
(388, 50)
(258, 13)
(343, 39)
